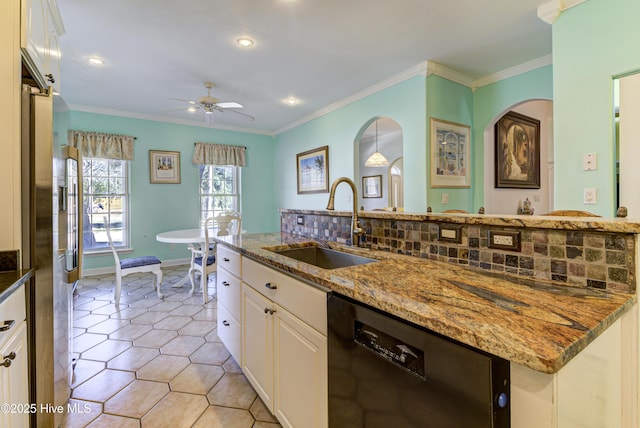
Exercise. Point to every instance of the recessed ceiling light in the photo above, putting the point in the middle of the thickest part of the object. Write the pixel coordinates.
(95, 60)
(291, 101)
(245, 42)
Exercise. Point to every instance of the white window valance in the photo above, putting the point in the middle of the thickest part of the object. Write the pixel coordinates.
(101, 145)
(219, 154)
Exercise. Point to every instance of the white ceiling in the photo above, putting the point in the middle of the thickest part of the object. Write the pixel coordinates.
(319, 51)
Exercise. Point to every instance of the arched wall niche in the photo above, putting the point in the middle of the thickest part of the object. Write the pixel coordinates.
(507, 201)
(389, 144)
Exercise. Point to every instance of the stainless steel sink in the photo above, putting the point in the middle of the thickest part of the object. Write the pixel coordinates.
(325, 258)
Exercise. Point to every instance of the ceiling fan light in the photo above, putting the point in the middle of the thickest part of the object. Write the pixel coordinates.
(376, 160)
(191, 109)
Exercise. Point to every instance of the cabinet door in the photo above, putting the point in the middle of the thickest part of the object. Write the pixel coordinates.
(300, 373)
(52, 72)
(257, 343)
(34, 33)
(14, 380)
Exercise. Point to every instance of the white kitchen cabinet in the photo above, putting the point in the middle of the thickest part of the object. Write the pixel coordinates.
(41, 26)
(257, 343)
(300, 375)
(228, 286)
(284, 354)
(14, 362)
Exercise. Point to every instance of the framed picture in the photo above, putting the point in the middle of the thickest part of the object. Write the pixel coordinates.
(517, 152)
(313, 170)
(164, 167)
(449, 154)
(372, 186)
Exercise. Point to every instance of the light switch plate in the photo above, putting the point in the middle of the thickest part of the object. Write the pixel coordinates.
(445, 198)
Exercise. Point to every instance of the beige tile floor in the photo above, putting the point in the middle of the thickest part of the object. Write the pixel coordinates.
(155, 362)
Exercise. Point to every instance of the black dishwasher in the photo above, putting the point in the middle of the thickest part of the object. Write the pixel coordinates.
(386, 372)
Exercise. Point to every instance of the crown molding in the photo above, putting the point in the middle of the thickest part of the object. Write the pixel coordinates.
(417, 70)
(513, 71)
(130, 115)
(550, 11)
(449, 74)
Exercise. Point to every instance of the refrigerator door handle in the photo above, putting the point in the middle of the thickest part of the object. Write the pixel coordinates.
(71, 218)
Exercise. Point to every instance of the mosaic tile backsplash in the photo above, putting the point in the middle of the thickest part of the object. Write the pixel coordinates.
(603, 260)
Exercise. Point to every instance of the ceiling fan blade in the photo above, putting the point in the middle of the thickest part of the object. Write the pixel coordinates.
(248, 117)
(185, 101)
(230, 104)
(178, 109)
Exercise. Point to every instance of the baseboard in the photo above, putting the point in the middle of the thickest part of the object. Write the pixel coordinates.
(112, 269)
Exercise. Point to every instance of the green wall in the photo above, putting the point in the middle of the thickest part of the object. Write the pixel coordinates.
(491, 101)
(157, 208)
(404, 102)
(592, 43)
(453, 102)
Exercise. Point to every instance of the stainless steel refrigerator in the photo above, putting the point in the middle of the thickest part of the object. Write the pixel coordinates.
(51, 189)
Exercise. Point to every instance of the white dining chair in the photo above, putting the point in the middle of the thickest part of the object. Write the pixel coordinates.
(203, 260)
(229, 223)
(141, 264)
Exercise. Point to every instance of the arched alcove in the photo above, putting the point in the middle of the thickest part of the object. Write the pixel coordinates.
(384, 135)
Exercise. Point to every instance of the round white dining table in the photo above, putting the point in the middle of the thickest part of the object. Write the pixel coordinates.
(184, 236)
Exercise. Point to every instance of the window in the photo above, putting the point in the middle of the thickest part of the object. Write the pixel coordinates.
(219, 190)
(105, 194)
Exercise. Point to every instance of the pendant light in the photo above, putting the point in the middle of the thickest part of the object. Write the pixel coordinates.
(376, 159)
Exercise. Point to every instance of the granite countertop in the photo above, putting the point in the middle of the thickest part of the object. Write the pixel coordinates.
(594, 224)
(10, 281)
(533, 323)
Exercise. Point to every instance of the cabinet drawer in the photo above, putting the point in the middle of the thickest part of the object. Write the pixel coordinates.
(12, 310)
(229, 292)
(230, 332)
(303, 300)
(229, 259)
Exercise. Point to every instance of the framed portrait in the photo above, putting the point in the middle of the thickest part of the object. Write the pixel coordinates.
(450, 166)
(517, 152)
(372, 186)
(313, 170)
(164, 167)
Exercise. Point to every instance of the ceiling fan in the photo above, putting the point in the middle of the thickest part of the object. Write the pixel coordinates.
(210, 104)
